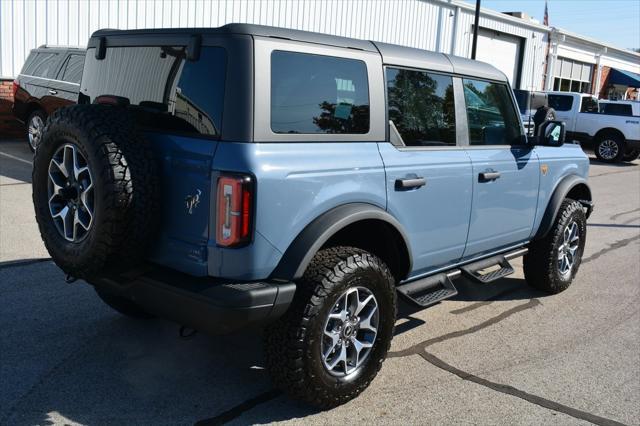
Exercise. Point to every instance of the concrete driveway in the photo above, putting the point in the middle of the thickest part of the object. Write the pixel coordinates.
(496, 354)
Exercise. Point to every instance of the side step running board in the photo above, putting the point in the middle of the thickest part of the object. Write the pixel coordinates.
(429, 291)
(474, 270)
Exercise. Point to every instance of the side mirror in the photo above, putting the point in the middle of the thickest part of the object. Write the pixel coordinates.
(551, 133)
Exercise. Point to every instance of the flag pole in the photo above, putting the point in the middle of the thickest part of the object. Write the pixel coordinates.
(474, 44)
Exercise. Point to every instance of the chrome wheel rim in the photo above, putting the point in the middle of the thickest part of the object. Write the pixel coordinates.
(36, 124)
(71, 195)
(350, 331)
(608, 149)
(568, 249)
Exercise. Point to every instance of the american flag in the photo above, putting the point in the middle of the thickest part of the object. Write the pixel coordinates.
(545, 21)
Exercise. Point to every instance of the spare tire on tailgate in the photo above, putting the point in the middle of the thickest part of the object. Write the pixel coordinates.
(95, 190)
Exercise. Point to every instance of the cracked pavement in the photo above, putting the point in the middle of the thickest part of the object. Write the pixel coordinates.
(500, 353)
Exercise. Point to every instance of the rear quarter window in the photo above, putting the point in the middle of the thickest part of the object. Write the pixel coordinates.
(43, 64)
(167, 92)
(318, 94)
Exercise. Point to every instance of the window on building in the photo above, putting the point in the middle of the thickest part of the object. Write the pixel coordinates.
(491, 115)
(572, 76)
(72, 70)
(318, 94)
(421, 107)
(561, 102)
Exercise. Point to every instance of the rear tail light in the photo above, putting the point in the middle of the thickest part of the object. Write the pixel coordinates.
(235, 210)
(14, 88)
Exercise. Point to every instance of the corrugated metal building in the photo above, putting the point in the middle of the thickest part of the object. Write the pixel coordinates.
(525, 50)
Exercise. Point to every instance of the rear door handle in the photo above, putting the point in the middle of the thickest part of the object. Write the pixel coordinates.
(53, 92)
(410, 183)
(488, 176)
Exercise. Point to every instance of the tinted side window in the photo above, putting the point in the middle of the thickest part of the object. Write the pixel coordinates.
(589, 105)
(318, 94)
(560, 102)
(491, 116)
(616, 109)
(421, 107)
(43, 65)
(73, 69)
(167, 92)
(28, 63)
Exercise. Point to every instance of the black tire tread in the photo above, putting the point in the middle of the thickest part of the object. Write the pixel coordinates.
(284, 341)
(540, 263)
(129, 173)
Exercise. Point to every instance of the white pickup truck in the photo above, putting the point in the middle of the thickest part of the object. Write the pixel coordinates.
(613, 137)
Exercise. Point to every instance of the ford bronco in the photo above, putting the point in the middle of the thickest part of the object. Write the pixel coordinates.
(247, 175)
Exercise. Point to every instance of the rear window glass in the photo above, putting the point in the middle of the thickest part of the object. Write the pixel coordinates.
(167, 92)
(42, 65)
(560, 102)
(318, 94)
(72, 71)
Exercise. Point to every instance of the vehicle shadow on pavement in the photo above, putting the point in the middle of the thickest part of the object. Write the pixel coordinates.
(594, 161)
(67, 357)
(468, 291)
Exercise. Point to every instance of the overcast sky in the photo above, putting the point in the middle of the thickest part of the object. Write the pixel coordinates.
(615, 22)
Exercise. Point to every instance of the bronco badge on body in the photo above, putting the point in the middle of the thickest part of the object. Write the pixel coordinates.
(192, 201)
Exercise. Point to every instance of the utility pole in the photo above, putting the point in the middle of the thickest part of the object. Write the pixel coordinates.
(476, 23)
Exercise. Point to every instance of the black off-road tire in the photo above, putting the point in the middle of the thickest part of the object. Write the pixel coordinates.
(122, 305)
(125, 183)
(541, 262)
(631, 155)
(292, 344)
(605, 138)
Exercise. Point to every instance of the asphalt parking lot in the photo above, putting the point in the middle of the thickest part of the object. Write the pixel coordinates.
(496, 354)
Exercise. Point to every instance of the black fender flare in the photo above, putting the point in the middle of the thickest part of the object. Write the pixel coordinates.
(559, 194)
(298, 255)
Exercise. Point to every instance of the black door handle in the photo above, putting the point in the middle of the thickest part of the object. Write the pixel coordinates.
(488, 176)
(410, 183)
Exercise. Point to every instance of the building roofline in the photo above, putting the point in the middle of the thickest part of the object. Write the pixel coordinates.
(540, 27)
(588, 40)
(494, 14)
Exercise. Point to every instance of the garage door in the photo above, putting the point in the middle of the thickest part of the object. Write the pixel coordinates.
(500, 50)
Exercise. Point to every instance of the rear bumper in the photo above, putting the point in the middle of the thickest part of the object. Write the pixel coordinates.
(209, 305)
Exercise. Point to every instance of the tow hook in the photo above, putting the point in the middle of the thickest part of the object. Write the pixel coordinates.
(187, 333)
(70, 279)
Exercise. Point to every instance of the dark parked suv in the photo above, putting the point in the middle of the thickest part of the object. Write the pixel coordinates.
(50, 79)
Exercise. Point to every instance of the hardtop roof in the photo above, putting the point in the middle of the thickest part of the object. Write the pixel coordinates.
(391, 54)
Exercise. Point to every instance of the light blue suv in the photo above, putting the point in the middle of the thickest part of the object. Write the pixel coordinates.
(248, 175)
